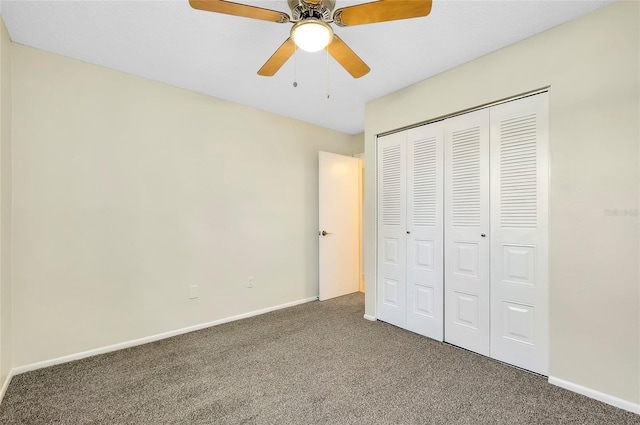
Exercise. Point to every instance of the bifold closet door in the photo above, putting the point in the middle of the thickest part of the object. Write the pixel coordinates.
(392, 237)
(462, 215)
(519, 209)
(410, 230)
(466, 276)
(425, 230)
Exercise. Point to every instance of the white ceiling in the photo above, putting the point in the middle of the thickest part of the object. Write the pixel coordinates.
(219, 55)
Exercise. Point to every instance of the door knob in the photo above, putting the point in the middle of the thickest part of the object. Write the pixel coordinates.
(483, 235)
(323, 233)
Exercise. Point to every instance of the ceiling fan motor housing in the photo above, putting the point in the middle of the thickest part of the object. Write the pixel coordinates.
(305, 9)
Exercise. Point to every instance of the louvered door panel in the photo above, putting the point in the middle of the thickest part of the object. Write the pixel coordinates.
(392, 238)
(519, 262)
(466, 221)
(423, 179)
(425, 230)
(465, 177)
(518, 171)
(391, 175)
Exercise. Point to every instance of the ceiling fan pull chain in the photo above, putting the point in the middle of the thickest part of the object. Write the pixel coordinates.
(295, 67)
(327, 49)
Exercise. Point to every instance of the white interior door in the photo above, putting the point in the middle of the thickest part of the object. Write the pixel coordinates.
(392, 237)
(425, 183)
(519, 263)
(466, 231)
(338, 225)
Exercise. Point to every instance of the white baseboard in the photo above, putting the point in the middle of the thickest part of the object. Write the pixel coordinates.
(370, 318)
(5, 385)
(596, 395)
(77, 356)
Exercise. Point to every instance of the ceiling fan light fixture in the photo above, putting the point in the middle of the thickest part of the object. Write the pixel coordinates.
(311, 35)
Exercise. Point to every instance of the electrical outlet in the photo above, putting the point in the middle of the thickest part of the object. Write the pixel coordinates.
(250, 282)
(193, 292)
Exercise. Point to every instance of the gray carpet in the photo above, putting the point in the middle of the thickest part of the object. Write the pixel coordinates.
(318, 363)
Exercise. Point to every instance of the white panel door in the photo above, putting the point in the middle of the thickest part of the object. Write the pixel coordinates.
(519, 257)
(425, 186)
(392, 238)
(466, 231)
(339, 255)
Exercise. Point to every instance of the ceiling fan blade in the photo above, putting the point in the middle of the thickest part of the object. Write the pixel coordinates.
(347, 58)
(381, 11)
(278, 59)
(229, 8)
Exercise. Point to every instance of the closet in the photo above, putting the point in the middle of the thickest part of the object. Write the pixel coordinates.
(462, 231)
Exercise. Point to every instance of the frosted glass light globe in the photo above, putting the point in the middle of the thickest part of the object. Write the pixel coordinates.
(311, 35)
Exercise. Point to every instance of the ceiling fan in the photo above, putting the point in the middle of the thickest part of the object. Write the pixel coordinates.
(311, 30)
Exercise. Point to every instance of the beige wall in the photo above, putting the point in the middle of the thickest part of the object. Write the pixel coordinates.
(127, 191)
(358, 143)
(592, 66)
(5, 206)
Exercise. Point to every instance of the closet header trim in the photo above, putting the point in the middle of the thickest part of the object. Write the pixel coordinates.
(466, 111)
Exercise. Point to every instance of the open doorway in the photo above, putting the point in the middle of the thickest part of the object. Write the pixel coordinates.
(360, 156)
(340, 225)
